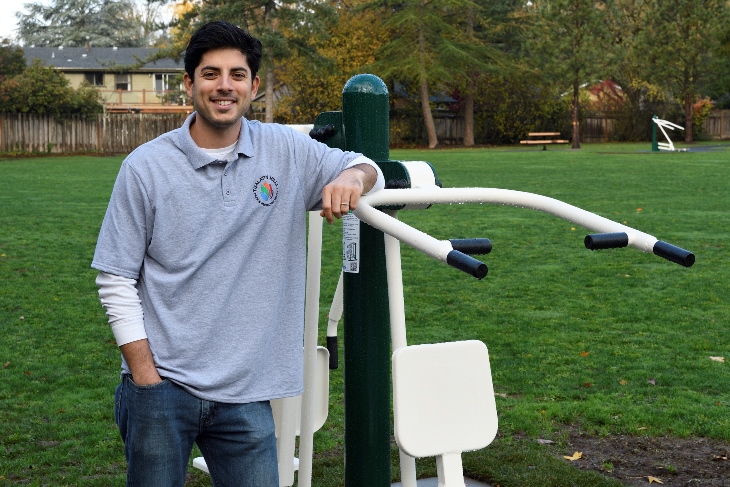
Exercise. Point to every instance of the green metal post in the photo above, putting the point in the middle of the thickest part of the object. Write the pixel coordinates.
(654, 145)
(365, 110)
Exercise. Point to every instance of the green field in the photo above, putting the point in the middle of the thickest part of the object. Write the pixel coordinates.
(610, 342)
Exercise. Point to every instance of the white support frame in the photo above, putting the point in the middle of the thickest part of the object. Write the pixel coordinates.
(668, 146)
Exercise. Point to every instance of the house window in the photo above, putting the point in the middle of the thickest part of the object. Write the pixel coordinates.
(163, 81)
(94, 78)
(122, 82)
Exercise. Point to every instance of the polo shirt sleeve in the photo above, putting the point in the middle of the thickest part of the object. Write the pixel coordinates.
(320, 165)
(127, 227)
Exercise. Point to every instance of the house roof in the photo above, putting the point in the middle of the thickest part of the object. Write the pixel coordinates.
(99, 58)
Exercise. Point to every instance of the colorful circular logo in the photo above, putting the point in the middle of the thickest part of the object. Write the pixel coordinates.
(266, 190)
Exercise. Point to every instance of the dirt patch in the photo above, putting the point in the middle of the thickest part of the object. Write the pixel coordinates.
(674, 461)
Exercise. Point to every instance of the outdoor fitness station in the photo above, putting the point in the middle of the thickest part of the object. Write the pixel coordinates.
(668, 145)
(443, 398)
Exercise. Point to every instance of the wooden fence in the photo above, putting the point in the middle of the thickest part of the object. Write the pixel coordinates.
(111, 133)
(717, 124)
(121, 133)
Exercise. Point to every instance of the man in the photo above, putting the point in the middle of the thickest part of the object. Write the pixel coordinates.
(202, 262)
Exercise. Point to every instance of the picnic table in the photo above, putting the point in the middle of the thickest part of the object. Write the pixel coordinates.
(544, 138)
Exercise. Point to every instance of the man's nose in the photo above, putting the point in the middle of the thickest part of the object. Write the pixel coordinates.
(224, 83)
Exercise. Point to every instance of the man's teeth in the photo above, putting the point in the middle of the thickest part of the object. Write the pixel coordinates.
(224, 102)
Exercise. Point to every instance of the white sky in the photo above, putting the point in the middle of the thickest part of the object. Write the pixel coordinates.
(8, 22)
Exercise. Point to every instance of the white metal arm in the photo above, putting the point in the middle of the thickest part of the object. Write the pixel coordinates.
(439, 249)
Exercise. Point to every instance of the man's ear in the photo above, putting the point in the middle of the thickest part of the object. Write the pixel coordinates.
(255, 86)
(188, 82)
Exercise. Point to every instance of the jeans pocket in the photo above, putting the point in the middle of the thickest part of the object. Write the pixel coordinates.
(157, 385)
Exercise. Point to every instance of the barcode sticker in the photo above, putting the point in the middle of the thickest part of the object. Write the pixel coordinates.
(350, 244)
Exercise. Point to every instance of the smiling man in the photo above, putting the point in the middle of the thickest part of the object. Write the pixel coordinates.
(201, 259)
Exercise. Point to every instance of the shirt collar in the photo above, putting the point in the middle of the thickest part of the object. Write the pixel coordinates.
(197, 157)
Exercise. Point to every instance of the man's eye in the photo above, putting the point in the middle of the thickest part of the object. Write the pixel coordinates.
(208, 74)
(239, 75)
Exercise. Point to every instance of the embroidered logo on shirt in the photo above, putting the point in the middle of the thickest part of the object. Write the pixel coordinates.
(266, 190)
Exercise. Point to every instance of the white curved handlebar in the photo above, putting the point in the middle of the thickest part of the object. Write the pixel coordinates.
(438, 249)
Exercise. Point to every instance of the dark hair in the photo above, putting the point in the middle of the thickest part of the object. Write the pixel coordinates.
(221, 35)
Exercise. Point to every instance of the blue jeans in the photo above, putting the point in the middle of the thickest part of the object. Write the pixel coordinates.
(160, 423)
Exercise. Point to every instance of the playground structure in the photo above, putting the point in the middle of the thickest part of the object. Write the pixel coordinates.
(668, 145)
(443, 399)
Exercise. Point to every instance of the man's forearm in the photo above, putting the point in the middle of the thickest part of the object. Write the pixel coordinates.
(138, 356)
(343, 193)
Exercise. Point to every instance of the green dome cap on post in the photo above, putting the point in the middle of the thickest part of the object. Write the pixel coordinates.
(365, 111)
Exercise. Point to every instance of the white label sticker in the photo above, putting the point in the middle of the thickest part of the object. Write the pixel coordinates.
(350, 243)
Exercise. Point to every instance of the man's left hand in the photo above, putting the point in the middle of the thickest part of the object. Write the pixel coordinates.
(342, 195)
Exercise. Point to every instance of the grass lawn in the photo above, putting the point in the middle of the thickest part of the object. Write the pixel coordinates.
(613, 342)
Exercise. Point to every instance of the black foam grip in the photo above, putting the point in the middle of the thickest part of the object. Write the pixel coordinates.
(599, 241)
(472, 246)
(332, 348)
(673, 253)
(467, 264)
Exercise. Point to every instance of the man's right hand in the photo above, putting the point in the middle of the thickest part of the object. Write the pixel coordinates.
(141, 364)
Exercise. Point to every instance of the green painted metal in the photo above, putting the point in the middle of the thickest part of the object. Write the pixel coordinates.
(335, 119)
(365, 108)
(654, 144)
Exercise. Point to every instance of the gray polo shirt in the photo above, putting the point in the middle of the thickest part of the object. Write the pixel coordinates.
(218, 252)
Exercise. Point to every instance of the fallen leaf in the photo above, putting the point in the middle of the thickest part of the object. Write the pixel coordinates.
(642, 428)
(6, 365)
(587, 385)
(576, 456)
(500, 394)
(718, 359)
(652, 381)
(27, 372)
(639, 209)
(572, 229)
(22, 318)
(623, 382)
(719, 457)
(653, 480)
(540, 441)
(583, 353)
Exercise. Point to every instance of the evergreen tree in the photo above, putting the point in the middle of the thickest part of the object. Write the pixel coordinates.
(570, 42)
(683, 41)
(428, 49)
(12, 59)
(75, 22)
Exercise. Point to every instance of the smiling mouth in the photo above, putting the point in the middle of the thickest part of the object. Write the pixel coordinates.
(223, 103)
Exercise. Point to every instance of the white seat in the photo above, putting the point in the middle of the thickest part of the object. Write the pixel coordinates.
(443, 403)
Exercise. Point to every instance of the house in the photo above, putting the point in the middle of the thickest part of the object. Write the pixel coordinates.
(155, 87)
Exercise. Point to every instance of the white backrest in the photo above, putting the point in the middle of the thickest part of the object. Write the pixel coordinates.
(443, 398)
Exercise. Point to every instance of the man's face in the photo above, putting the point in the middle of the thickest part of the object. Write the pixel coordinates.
(222, 89)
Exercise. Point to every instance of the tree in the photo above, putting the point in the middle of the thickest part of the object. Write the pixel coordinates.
(489, 27)
(427, 48)
(12, 60)
(684, 38)
(569, 41)
(75, 22)
(41, 89)
(344, 48)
